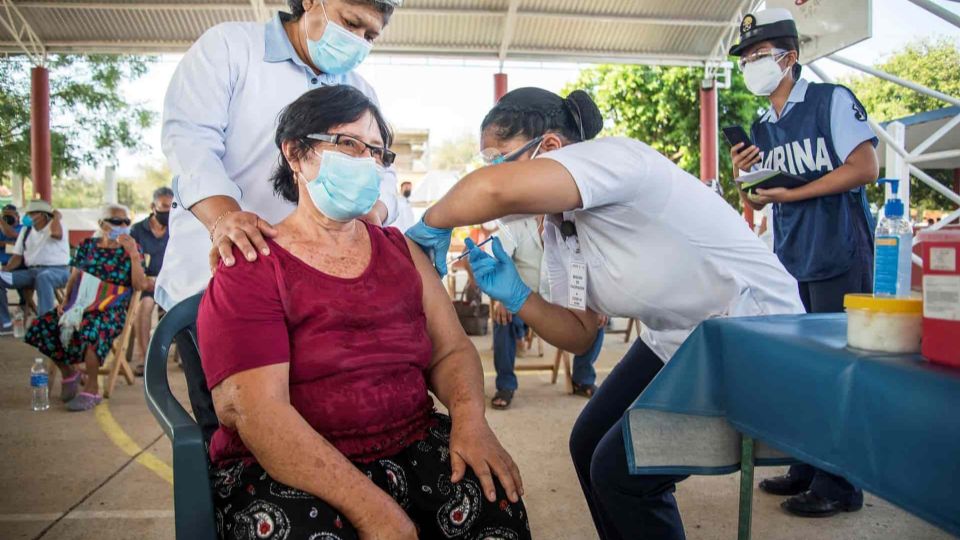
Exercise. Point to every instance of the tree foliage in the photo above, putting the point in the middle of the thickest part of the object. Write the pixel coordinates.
(90, 118)
(934, 64)
(661, 107)
(454, 154)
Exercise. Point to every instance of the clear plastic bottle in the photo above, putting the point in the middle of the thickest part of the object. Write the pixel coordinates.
(893, 248)
(39, 383)
(19, 328)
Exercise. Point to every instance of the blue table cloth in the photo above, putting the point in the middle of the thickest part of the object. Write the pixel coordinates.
(888, 423)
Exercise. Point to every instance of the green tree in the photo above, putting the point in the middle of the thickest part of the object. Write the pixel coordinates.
(455, 154)
(90, 119)
(661, 107)
(933, 64)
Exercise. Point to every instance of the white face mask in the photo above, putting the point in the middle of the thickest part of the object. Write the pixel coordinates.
(763, 76)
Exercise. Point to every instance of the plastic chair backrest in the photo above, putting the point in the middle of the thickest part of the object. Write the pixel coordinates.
(192, 498)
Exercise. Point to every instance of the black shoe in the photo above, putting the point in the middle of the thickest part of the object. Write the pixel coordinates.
(785, 485)
(809, 504)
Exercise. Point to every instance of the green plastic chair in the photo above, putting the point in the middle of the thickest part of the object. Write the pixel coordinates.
(192, 496)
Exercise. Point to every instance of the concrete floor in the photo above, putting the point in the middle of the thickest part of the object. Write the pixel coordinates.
(105, 474)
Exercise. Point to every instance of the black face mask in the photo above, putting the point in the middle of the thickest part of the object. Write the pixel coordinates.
(162, 217)
(10, 220)
(406, 193)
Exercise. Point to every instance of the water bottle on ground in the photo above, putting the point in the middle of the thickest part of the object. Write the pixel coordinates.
(39, 383)
(19, 328)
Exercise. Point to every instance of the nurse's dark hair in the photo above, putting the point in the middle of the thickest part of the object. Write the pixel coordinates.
(317, 111)
(531, 112)
(383, 8)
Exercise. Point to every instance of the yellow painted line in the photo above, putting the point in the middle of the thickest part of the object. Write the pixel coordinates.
(108, 424)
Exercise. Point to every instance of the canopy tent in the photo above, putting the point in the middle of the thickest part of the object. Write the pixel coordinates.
(920, 127)
(648, 31)
(433, 187)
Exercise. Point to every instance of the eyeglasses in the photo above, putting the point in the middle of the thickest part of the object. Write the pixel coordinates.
(354, 147)
(777, 54)
(117, 221)
(492, 156)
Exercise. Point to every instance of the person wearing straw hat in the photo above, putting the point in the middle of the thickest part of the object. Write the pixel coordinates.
(39, 261)
(823, 229)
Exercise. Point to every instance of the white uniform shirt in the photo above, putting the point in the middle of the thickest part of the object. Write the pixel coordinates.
(521, 240)
(42, 249)
(405, 218)
(660, 246)
(219, 121)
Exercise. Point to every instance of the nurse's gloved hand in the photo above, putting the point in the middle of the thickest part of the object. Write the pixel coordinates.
(497, 276)
(434, 242)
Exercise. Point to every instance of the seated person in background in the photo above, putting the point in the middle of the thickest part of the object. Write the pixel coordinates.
(9, 231)
(320, 356)
(82, 329)
(39, 260)
(151, 235)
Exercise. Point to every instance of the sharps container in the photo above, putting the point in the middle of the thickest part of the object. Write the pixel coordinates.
(941, 295)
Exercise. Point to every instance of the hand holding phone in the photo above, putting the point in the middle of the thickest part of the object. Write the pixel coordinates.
(742, 151)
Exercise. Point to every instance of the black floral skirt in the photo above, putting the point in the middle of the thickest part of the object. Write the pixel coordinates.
(251, 505)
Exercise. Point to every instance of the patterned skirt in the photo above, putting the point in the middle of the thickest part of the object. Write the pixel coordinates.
(251, 505)
(98, 328)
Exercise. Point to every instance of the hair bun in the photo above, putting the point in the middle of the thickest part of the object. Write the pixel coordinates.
(589, 113)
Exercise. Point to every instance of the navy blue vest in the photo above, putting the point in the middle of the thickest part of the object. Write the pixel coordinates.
(823, 237)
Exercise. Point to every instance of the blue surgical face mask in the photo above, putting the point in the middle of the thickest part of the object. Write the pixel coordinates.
(345, 187)
(337, 51)
(27, 221)
(117, 232)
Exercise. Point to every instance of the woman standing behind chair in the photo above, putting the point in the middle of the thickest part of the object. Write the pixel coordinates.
(81, 330)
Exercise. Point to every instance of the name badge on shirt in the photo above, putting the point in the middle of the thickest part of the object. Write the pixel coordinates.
(577, 273)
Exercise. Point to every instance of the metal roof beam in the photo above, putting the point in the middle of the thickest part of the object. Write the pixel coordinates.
(24, 38)
(509, 25)
(412, 11)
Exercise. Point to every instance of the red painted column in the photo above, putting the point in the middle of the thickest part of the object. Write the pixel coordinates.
(708, 130)
(40, 132)
(499, 86)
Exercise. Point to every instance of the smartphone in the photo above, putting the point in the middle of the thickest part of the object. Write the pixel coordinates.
(736, 135)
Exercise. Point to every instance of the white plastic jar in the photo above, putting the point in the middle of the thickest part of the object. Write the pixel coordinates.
(884, 324)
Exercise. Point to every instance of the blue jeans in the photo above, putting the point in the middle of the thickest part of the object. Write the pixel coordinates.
(43, 279)
(505, 338)
(623, 506)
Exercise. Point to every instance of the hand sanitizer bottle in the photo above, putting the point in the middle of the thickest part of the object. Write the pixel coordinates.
(893, 245)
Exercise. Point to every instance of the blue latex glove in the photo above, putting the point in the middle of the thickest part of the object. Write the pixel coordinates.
(434, 242)
(497, 276)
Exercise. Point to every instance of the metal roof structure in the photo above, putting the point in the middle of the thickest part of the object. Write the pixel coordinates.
(672, 32)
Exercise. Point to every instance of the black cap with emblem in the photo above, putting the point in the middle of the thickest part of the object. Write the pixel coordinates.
(765, 25)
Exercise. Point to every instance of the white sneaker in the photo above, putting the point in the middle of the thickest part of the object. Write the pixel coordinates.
(6, 330)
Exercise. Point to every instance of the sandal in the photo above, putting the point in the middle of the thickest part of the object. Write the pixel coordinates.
(69, 387)
(138, 370)
(84, 402)
(585, 390)
(501, 400)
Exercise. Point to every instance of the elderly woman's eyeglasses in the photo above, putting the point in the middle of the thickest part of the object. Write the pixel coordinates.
(354, 147)
(119, 222)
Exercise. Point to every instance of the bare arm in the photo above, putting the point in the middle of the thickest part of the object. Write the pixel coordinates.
(138, 277)
(56, 228)
(256, 403)
(537, 186)
(455, 376)
(568, 329)
(14, 263)
(860, 168)
(7, 229)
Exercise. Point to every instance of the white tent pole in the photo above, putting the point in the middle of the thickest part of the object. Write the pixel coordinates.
(939, 11)
(894, 79)
(934, 156)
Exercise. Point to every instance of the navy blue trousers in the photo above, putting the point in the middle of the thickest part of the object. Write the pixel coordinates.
(623, 506)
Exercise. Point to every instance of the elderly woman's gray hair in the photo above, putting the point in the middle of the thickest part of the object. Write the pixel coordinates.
(108, 209)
